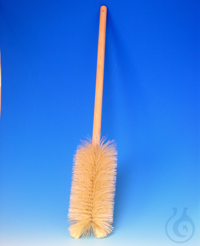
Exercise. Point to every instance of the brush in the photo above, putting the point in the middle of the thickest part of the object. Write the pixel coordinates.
(94, 170)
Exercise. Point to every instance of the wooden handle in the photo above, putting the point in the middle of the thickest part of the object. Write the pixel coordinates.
(99, 77)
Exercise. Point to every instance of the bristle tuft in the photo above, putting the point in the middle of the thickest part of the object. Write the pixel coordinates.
(93, 190)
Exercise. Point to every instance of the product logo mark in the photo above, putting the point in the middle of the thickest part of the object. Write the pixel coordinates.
(181, 230)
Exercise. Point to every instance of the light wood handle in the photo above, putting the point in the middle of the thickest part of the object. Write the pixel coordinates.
(99, 77)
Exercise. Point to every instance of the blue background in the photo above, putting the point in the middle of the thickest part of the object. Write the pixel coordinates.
(151, 107)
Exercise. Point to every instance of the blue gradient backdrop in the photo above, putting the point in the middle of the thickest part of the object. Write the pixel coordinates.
(151, 107)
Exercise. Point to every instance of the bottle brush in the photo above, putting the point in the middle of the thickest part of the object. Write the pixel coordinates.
(94, 169)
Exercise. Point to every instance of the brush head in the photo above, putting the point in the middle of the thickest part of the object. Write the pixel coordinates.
(93, 190)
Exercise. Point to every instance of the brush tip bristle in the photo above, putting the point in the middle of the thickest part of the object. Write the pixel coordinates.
(93, 189)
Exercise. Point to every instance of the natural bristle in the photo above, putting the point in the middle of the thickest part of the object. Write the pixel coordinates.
(93, 190)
